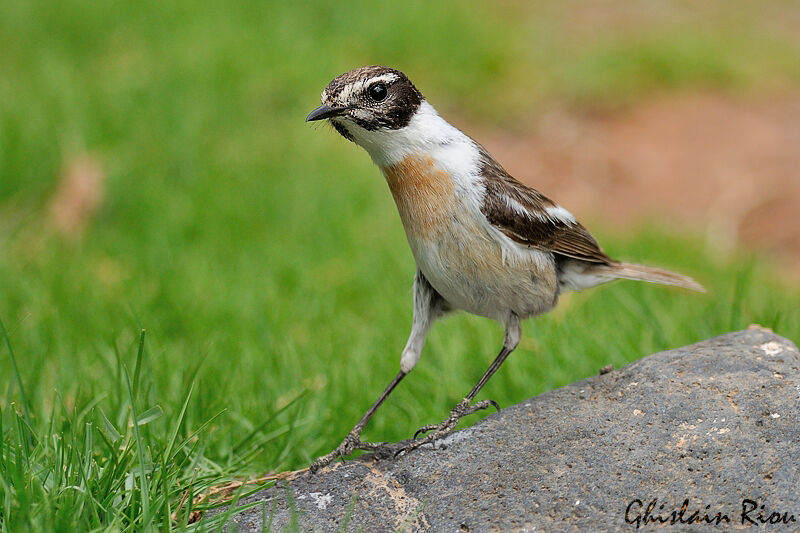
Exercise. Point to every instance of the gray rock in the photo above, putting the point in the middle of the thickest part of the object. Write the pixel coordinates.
(714, 423)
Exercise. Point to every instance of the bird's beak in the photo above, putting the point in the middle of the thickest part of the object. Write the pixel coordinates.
(325, 111)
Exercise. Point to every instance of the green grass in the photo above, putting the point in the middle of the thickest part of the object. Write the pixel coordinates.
(264, 256)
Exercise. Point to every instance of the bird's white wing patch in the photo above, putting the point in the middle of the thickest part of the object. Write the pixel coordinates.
(552, 213)
(518, 208)
(558, 213)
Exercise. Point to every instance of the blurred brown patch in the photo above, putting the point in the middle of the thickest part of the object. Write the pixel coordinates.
(723, 165)
(78, 195)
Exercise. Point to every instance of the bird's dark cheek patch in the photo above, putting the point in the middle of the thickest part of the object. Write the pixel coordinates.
(369, 125)
(342, 130)
(399, 116)
(394, 118)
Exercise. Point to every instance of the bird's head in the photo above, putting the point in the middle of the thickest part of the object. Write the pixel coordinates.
(368, 102)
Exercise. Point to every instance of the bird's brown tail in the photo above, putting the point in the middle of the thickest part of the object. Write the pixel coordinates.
(651, 274)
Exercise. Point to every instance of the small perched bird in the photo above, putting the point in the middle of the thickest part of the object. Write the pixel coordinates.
(482, 241)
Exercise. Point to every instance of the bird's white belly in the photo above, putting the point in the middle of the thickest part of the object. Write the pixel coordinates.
(468, 267)
(473, 266)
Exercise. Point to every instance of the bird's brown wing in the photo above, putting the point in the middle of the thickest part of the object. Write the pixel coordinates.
(531, 219)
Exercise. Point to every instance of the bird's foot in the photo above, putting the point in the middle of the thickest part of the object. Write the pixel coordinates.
(441, 430)
(350, 443)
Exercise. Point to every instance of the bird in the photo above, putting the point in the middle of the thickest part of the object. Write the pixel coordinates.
(482, 241)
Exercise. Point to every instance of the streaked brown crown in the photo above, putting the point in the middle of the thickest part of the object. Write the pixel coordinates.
(356, 90)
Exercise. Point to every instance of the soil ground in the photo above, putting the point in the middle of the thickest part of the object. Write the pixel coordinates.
(728, 165)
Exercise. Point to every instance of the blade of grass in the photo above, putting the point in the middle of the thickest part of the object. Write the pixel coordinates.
(200, 429)
(268, 421)
(151, 414)
(178, 422)
(17, 378)
(138, 368)
(110, 429)
(146, 519)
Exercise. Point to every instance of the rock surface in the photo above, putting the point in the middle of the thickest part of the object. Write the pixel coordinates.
(715, 423)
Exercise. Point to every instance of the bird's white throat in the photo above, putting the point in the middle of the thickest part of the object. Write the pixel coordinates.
(427, 134)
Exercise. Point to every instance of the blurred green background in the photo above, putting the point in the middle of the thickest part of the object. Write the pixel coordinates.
(156, 173)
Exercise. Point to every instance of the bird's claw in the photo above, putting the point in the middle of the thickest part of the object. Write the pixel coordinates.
(350, 443)
(353, 442)
(424, 429)
(447, 426)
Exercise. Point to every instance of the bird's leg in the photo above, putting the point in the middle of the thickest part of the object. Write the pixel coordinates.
(353, 439)
(461, 410)
(428, 305)
(512, 336)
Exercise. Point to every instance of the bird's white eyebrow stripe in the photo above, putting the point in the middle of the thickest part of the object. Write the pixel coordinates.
(350, 88)
(389, 77)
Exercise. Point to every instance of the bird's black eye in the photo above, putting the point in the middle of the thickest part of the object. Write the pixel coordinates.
(378, 92)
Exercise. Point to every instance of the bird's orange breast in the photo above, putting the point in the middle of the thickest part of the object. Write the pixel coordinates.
(423, 192)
